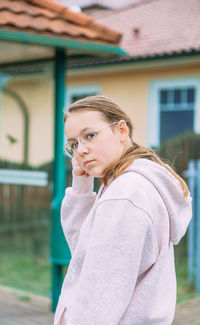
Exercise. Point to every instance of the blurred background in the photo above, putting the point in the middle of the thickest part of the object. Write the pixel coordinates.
(143, 54)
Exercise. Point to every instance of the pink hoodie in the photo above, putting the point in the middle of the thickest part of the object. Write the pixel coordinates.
(122, 268)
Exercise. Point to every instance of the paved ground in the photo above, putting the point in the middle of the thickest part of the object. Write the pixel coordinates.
(36, 311)
(188, 313)
(16, 309)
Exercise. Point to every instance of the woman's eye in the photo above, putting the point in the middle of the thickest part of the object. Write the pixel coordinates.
(74, 145)
(91, 135)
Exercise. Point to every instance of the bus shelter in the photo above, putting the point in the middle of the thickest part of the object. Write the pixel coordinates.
(34, 32)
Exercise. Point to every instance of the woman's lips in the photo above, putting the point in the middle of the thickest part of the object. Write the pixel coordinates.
(87, 162)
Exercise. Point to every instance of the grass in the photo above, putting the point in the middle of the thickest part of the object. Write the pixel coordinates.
(25, 273)
(185, 290)
(34, 276)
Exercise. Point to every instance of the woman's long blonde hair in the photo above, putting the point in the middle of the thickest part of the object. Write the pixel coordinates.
(111, 112)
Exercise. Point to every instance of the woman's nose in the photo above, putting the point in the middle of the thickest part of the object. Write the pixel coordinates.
(82, 148)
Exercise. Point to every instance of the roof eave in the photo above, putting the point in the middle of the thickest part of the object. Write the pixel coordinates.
(58, 42)
(132, 59)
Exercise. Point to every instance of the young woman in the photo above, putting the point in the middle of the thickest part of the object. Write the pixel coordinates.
(121, 240)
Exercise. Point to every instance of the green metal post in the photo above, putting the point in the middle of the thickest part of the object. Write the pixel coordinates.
(59, 250)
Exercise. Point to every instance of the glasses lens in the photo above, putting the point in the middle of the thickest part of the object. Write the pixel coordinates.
(68, 151)
(87, 137)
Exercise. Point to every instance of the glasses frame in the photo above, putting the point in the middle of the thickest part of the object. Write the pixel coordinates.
(79, 138)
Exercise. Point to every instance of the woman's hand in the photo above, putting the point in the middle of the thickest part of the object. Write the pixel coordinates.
(81, 185)
(78, 171)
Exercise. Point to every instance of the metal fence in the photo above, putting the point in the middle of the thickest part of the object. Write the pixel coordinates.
(178, 151)
(25, 208)
(193, 176)
(25, 214)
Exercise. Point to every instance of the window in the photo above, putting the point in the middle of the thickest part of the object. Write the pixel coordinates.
(174, 108)
(176, 111)
(75, 93)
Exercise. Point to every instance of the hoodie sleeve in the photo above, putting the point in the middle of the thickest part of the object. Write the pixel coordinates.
(121, 246)
(76, 204)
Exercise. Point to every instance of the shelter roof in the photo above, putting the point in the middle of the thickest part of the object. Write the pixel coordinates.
(48, 17)
(31, 30)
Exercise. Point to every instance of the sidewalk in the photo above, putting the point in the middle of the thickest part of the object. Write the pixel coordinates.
(18, 308)
(36, 311)
(188, 313)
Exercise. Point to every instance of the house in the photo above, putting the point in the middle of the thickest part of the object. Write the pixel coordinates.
(157, 83)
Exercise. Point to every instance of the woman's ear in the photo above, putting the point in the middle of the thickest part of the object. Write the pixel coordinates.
(123, 130)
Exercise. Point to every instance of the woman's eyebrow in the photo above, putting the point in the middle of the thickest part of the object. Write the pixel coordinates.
(85, 129)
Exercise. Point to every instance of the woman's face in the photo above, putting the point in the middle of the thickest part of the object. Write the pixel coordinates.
(106, 147)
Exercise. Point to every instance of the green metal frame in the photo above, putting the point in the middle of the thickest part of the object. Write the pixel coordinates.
(60, 253)
(58, 42)
(17, 98)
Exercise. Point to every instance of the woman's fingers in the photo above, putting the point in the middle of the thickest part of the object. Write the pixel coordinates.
(78, 171)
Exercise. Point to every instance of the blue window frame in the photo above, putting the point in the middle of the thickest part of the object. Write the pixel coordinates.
(174, 108)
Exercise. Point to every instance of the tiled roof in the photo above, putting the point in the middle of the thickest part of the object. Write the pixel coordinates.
(156, 27)
(48, 17)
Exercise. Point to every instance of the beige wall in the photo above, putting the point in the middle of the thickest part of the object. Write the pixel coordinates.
(129, 89)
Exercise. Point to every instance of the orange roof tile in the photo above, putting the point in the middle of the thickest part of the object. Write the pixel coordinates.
(50, 18)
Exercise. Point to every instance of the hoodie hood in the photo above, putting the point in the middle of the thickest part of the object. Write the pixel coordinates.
(179, 207)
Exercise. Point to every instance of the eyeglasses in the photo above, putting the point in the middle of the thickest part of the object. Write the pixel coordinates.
(85, 137)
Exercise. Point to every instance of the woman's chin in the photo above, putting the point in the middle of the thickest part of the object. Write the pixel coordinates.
(95, 174)
(94, 171)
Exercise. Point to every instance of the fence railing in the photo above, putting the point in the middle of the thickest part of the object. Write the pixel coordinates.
(193, 177)
(25, 198)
